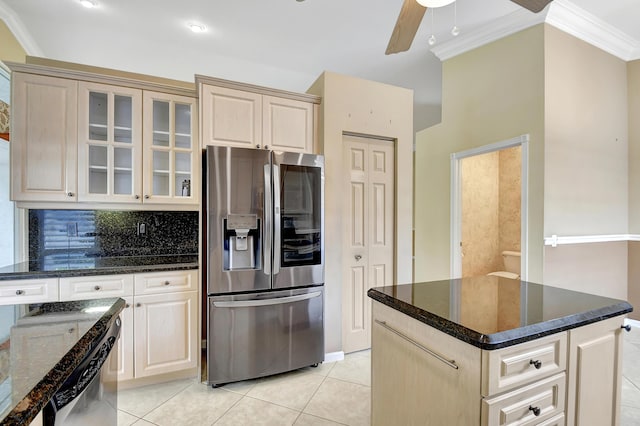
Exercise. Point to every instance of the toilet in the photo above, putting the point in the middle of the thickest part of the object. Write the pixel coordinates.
(511, 261)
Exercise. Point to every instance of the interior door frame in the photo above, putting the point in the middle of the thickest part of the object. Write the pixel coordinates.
(456, 201)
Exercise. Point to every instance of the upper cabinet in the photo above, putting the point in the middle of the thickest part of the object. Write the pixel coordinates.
(43, 138)
(236, 114)
(99, 139)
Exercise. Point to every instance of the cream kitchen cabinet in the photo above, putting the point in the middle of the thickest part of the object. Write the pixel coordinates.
(34, 290)
(159, 322)
(572, 375)
(43, 138)
(134, 154)
(249, 116)
(102, 139)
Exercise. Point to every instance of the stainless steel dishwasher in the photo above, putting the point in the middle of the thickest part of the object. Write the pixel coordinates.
(90, 395)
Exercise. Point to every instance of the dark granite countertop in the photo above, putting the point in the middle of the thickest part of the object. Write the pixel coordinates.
(73, 267)
(491, 312)
(29, 377)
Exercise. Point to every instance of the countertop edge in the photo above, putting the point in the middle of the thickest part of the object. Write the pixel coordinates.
(506, 338)
(28, 408)
(116, 270)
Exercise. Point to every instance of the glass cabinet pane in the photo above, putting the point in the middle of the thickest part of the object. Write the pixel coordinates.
(183, 174)
(122, 171)
(183, 125)
(98, 113)
(123, 118)
(98, 158)
(161, 173)
(161, 122)
(300, 215)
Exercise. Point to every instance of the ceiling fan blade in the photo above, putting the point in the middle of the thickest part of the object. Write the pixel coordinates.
(406, 26)
(533, 5)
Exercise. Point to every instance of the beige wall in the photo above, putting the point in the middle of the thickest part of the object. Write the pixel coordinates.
(586, 146)
(491, 94)
(359, 106)
(10, 49)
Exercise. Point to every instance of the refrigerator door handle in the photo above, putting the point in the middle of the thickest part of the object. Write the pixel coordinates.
(265, 302)
(267, 231)
(276, 219)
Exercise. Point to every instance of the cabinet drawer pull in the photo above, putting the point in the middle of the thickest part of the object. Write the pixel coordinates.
(138, 305)
(626, 327)
(146, 197)
(97, 288)
(536, 363)
(127, 305)
(167, 283)
(450, 363)
(19, 292)
(71, 330)
(70, 194)
(536, 410)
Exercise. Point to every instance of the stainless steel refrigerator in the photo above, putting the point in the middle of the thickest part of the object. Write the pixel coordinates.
(265, 262)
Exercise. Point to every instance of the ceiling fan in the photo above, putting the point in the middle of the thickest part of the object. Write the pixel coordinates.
(411, 15)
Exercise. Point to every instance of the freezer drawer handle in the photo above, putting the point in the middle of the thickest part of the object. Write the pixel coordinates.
(266, 302)
(450, 363)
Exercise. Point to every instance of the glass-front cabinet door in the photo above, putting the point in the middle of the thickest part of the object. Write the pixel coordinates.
(109, 143)
(170, 154)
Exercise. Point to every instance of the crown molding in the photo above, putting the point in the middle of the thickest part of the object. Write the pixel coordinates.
(19, 31)
(562, 14)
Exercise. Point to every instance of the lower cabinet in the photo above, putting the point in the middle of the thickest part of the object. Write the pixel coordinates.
(159, 331)
(421, 375)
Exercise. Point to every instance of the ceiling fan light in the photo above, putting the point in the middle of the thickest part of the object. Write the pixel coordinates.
(435, 3)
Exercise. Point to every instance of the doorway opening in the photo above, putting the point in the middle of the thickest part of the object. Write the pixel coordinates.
(486, 184)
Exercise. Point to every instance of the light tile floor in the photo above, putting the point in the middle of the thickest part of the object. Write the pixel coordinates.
(337, 393)
(333, 394)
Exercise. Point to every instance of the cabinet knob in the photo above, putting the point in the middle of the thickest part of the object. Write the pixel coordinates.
(127, 305)
(146, 197)
(137, 197)
(96, 288)
(626, 327)
(536, 363)
(19, 292)
(357, 257)
(138, 304)
(69, 194)
(71, 330)
(536, 410)
(257, 145)
(266, 147)
(167, 283)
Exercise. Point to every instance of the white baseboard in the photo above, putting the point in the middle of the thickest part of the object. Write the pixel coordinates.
(334, 356)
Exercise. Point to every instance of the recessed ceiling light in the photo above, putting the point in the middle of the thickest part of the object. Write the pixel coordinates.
(197, 28)
(88, 3)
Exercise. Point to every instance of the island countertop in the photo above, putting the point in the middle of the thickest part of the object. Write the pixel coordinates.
(491, 312)
(29, 377)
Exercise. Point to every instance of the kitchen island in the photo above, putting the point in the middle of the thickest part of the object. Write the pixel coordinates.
(41, 345)
(494, 351)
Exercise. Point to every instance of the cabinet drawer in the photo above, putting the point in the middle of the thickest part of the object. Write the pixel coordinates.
(28, 291)
(166, 282)
(96, 287)
(546, 398)
(555, 421)
(508, 368)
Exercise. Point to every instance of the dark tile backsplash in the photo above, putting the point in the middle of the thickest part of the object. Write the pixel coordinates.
(103, 233)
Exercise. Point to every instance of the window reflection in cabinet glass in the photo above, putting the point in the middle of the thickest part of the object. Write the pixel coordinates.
(122, 179)
(161, 123)
(123, 118)
(97, 169)
(183, 126)
(98, 107)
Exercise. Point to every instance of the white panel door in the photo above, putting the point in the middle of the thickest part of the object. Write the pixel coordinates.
(369, 200)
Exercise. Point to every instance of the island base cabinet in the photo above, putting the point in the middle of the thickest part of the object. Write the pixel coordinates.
(411, 386)
(595, 369)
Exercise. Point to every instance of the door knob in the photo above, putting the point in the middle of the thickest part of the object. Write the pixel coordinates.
(358, 257)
